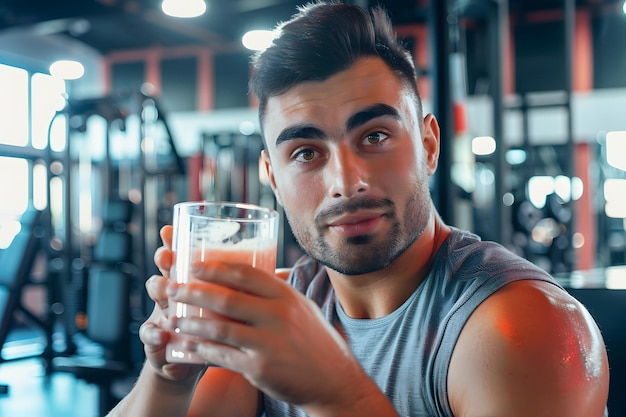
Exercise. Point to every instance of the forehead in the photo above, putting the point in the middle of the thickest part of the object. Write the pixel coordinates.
(329, 103)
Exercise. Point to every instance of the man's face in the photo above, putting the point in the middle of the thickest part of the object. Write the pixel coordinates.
(350, 166)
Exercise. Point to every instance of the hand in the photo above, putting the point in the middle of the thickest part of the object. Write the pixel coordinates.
(153, 333)
(270, 333)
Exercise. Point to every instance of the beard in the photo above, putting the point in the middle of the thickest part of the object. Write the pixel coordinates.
(366, 253)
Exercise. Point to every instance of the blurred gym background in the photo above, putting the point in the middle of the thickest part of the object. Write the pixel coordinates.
(111, 111)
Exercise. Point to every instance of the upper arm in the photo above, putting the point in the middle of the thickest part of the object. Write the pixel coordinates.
(530, 349)
(221, 392)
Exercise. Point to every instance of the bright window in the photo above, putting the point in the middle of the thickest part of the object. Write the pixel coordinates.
(14, 175)
(47, 98)
(13, 106)
(14, 191)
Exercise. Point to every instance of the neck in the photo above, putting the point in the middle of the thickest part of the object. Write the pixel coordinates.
(379, 293)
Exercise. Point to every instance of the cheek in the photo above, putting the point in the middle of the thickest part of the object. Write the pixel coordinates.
(400, 170)
(297, 196)
(404, 180)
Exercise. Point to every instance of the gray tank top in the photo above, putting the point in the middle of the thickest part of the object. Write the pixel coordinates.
(407, 353)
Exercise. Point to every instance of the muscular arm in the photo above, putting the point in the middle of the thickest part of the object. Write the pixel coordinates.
(155, 396)
(226, 393)
(529, 350)
(218, 393)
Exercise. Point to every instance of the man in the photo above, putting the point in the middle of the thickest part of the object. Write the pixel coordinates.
(392, 313)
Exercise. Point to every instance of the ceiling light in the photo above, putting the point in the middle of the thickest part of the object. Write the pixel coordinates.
(258, 40)
(624, 7)
(616, 149)
(183, 8)
(67, 70)
(483, 145)
(539, 188)
(246, 128)
(515, 156)
(614, 190)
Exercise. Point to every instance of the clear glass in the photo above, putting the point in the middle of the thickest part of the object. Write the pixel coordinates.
(230, 232)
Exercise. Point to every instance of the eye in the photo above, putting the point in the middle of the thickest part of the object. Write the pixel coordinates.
(305, 155)
(374, 138)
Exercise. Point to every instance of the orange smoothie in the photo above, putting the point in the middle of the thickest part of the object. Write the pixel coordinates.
(259, 255)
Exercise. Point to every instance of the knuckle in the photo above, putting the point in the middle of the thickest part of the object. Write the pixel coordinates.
(259, 367)
(144, 330)
(244, 271)
(221, 331)
(154, 283)
(158, 254)
(225, 299)
(191, 292)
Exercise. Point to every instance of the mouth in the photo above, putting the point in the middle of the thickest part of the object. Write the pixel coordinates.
(357, 224)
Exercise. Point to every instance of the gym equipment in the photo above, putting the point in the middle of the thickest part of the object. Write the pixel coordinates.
(108, 321)
(15, 272)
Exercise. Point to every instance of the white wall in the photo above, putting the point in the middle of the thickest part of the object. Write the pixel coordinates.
(593, 112)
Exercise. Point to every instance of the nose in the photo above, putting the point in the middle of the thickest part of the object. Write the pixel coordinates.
(347, 173)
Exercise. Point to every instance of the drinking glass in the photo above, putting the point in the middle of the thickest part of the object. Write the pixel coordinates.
(225, 231)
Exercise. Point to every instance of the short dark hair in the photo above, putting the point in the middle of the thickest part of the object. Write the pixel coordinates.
(325, 38)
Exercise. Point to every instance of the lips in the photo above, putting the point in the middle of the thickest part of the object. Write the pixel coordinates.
(358, 224)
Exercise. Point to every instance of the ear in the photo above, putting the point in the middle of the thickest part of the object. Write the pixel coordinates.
(266, 168)
(430, 140)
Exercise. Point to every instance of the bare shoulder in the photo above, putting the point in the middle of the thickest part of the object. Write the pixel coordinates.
(529, 349)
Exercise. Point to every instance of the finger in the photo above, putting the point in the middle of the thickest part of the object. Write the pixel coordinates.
(219, 354)
(241, 278)
(152, 336)
(163, 258)
(156, 287)
(166, 235)
(228, 303)
(218, 331)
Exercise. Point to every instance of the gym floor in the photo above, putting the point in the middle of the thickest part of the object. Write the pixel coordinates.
(32, 393)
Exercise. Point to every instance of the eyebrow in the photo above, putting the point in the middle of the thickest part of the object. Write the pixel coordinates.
(302, 131)
(308, 131)
(370, 113)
